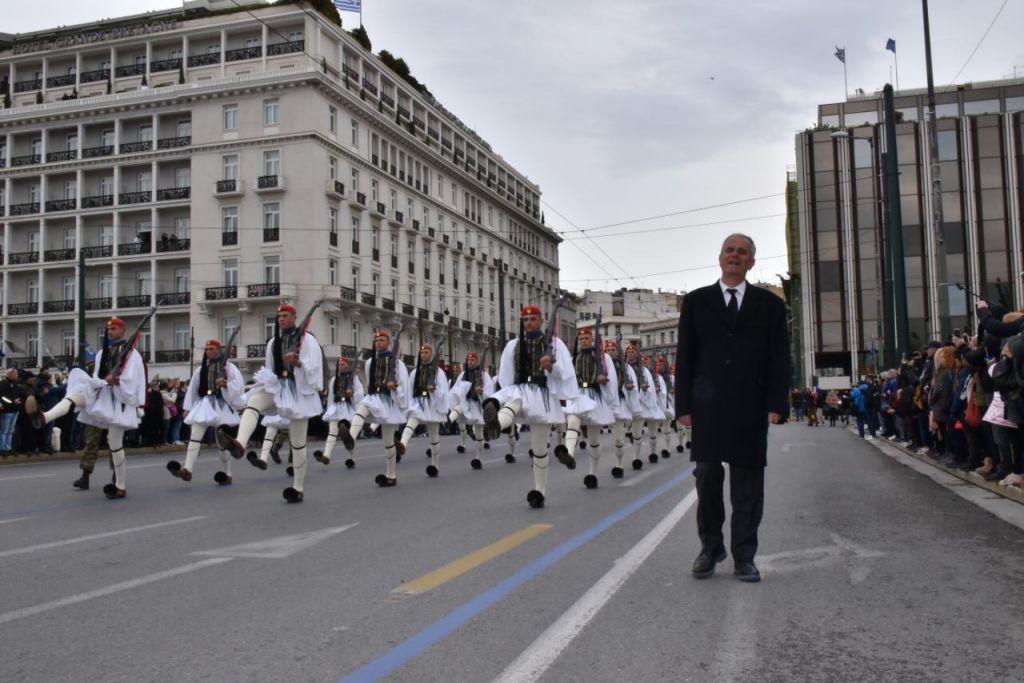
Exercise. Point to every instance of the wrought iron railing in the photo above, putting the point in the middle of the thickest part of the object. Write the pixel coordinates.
(173, 243)
(408, 309)
(387, 304)
(62, 155)
(438, 317)
(99, 251)
(24, 209)
(266, 289)
(204, 59)
(165, 65)
(271, 234)
(60, 81)
(285, 48)
(133, 248)
(368, 299)
(27, 308)
(137, 146)
(28, 86)
(173, 298)
(59, 255)
(173, 193)
(221, 293)
(241, 53)
(135, 197)
(255, 350)
(60, 205)
(25, 160)
(348, 294)
(94, 76)
(21, 257)
(229, 239)
(133, 301)
(130, 70)
(267, 181)
(97, 201)
(101, 151)
(173, 143)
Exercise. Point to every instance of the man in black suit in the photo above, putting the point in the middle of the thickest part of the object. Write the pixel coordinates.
(732, 380)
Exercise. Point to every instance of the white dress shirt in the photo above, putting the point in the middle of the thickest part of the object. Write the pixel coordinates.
(741, 289)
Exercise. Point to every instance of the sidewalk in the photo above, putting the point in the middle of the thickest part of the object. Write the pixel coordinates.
(1008, 492)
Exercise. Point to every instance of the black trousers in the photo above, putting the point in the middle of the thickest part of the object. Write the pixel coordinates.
(746, 492)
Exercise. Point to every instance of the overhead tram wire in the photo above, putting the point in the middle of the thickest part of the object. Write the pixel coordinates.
(983, 36)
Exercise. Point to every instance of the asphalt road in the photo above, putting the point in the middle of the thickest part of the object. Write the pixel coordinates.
(871, 570)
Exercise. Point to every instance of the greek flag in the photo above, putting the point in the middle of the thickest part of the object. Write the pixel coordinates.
(891, 45)
(841, 54)
(347, 5)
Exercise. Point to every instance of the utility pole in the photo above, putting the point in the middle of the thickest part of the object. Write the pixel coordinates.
(933, 152)
(897, 331)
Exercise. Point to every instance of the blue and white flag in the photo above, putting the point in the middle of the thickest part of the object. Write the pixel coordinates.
(347, 5)
(891, 45)
(841, 54)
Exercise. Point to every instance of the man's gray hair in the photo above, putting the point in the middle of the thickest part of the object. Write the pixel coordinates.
(748, 238)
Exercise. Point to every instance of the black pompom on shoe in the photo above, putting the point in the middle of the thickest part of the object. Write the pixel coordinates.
(460, 449)
(509, 458)
(321, 458)
(431, 471)
(638, 464)
(617, 473)
(255, 461)
(384, 481)
(350, 463)
(291, 495)
(535, 499)
(290, 471)
(113, 493)
(652, 458)
(174, 467)
(222, 479)
(590, 481)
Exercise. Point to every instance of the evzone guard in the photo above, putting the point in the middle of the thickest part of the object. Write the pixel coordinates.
(109, 399)
(535, 373)
(663, 430)
(656, 417)
(646, 406)
(344, 392)
(387, 387)
(470, 389)
(213, 399)
(628, 400)
(289, 385)
(428, 404)
(595, 405)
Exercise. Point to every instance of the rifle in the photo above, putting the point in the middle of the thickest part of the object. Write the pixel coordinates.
(304, 325)
(597, 342)
(395, 358)
(549, 331)
(224, 369)
(116, 372)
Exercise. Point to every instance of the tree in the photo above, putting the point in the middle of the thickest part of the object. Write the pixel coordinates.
(324, 7)
(7, 100)
(362, 37)
(181, 73)
(39, 97)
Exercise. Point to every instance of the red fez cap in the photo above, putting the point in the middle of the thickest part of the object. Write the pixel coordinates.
(213, 342)
(611, 342)
(345, 359)
(116, 321)
(645, 357)
(382, 333)
(530, 310)
(426, 345)
(286, 308)
(472, 355)
(584, 332)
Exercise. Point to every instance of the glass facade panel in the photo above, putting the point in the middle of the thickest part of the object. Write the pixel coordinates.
(947, 145)
(829, 276)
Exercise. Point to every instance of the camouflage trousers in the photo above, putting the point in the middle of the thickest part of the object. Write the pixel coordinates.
(93, 437)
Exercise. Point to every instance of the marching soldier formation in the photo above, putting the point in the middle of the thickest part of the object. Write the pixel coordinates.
(539, 386)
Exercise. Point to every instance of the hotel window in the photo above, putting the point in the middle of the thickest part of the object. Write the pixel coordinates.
(332, 119)
(355, 133)
(332, 329)
(182, 336)
(272, 162)
(229, 219)
(229, 267)
(230, 166)
(182, 227)
(355, 180)
(271, 112)
(332, 220)
(272, 216)
(272, 269)
(182, 279)
(332, 271)
(231, 117)
(67, 286)
(145, 133)
(269, 326)
(374, 190)
(394, 199)
(332, 168)
(69, 238)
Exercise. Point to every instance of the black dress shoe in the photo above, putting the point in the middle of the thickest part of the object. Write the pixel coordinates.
(704, 565)
(747, 571)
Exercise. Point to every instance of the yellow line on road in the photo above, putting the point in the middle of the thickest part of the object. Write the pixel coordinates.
(462, 565)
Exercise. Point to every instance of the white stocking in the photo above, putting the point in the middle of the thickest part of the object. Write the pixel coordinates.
(410, 428)
(572, 432)
(193, 449)
(115, 438)
(618, 436)
(539, 445)
(297, 441)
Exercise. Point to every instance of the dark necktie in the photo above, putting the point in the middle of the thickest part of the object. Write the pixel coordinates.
(734, 305)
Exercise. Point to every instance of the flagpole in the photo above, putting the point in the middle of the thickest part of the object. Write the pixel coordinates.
(846, 87)
(896, 63)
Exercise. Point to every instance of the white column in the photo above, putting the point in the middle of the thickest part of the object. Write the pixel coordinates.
(46, 70)
(153, 183)
(1013, 195)
(970, 219)
(266, 45)
(78, 72)
(223, 48)
(931, 281)
(149, 57)
(184, 55)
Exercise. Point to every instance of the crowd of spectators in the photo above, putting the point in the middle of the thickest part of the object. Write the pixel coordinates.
(958, 402)
(161, 419)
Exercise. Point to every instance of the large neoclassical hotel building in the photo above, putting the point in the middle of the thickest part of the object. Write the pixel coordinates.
(222, 158)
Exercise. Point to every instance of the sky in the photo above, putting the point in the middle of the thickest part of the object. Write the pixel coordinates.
(680, 109)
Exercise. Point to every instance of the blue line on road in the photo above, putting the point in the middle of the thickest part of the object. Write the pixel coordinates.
(414, 646)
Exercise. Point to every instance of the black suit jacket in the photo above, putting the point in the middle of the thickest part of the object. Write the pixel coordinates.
(730, 375)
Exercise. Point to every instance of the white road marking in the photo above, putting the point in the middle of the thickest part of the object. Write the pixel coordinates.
(93, 537)
(27, 476)
(8, 521)
(277, 548)
(538, 657)
(8, 617)
(842, 550)
(786, 447)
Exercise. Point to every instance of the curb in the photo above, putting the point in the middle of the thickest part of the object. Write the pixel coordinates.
(19, 458)
(1009, 492)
